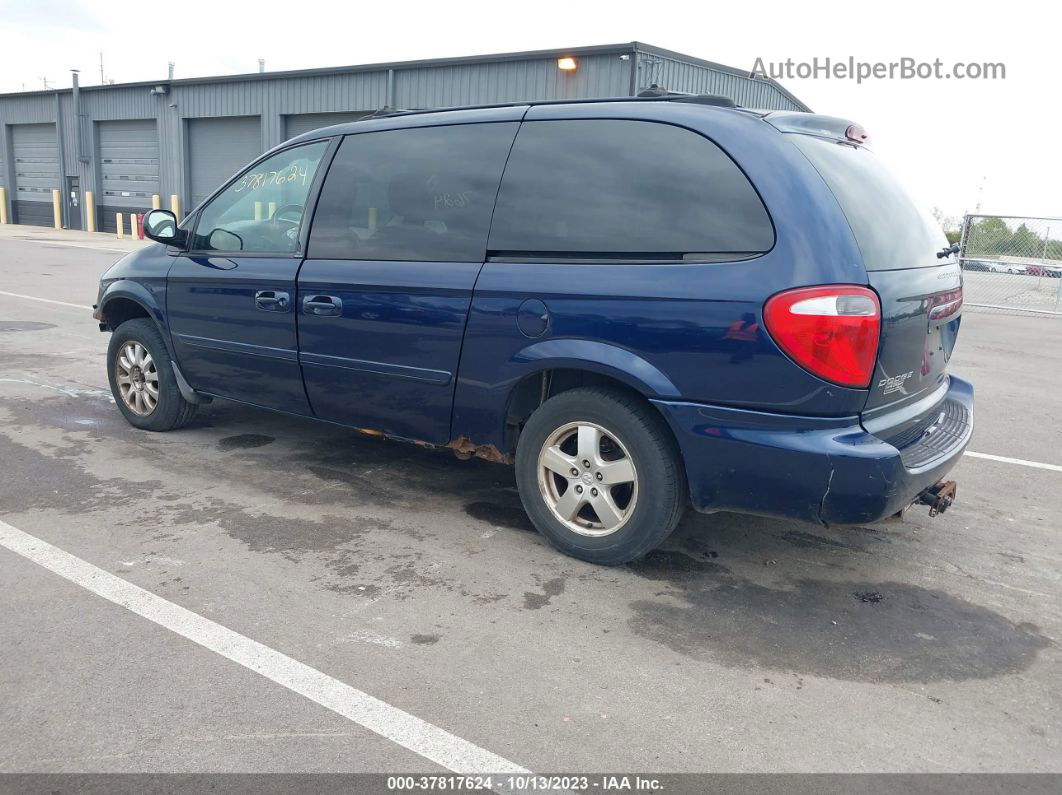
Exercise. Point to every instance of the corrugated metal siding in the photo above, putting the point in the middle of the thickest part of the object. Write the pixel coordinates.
(511, 81)
(693, 78)
(306, 122)
(112, 104)
(27, 110)
(330, 93)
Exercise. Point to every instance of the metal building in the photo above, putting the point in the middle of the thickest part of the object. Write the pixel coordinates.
(127, 143)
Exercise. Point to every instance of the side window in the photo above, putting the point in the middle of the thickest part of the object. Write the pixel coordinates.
(263, 209)
(606, 186)
(421, 194)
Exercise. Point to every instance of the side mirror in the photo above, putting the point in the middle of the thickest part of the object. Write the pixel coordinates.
(161, 226)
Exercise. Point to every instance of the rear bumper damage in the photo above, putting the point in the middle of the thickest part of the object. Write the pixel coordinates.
(823, 470)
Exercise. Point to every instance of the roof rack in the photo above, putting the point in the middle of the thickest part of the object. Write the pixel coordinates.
(657, 95)
(659, 92)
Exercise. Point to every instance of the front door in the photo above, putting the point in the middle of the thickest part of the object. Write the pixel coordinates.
(398, 240)
(231, 296)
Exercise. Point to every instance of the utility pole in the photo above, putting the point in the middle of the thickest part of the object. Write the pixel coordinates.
(102, 81)
(261, 65)
(171, 70)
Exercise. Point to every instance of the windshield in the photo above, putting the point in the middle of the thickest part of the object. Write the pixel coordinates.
(892, 232)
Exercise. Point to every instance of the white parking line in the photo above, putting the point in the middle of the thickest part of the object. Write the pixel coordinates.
(1019, 461)
(423, 738)
(46, 300)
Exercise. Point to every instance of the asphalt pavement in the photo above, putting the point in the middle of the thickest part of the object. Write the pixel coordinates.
(412, 582)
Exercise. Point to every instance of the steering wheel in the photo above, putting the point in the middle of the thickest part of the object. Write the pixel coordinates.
(276, 219)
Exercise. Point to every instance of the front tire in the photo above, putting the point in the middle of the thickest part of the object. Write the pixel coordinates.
(142, 380)
(600, 475)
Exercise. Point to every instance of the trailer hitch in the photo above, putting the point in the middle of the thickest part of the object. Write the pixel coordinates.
(938, 497)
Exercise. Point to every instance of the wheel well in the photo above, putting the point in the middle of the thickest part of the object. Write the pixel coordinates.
(536, 389)
(118, 310)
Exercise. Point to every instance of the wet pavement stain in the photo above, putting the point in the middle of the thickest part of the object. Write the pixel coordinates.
(804, 540)
(13, 363)
(912, 634)
(869, 597)
(12, 326)
(512, 517)
(361, 487)
(425, 640)
(50, 477)
(35, 480)
(244, 441)
(550, 588)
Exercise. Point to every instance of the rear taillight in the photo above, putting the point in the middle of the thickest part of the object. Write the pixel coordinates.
(831, 331)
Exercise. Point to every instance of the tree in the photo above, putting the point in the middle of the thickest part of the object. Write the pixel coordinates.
(948, 223)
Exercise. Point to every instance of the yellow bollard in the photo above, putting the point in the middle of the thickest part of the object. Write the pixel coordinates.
(57, 213)
(90, 211)
(372, 220)
(3, 205)
(118, 221)
(258, 211)
(175, 205)
(272, 208)
(132, 225)
(156, 202)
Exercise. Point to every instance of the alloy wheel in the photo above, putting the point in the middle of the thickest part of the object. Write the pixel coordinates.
(137, 377)
(587, 479)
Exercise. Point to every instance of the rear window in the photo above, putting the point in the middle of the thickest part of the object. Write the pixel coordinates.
(893, 233)
(614, 187)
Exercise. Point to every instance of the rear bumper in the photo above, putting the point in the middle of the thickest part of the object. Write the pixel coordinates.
(815, 469)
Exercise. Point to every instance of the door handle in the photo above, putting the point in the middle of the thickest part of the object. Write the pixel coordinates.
(322, 305)
(272, 300)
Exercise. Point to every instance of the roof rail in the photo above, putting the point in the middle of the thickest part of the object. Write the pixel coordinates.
(659, 92)
(658, 95)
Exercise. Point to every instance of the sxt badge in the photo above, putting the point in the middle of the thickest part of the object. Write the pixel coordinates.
(894, 383)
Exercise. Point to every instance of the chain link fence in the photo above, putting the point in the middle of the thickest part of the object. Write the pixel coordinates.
(1012, 264)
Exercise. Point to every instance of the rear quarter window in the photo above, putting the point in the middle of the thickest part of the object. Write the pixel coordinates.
(893, 233)
(607, 186)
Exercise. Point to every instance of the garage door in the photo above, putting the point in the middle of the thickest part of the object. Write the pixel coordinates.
(299, 124)
(218, 148)
(36, 155)
(129, 168)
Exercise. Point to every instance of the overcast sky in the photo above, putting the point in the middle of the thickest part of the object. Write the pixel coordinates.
(943, 137)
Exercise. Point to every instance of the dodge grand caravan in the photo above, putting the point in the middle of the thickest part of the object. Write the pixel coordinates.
(640, 303)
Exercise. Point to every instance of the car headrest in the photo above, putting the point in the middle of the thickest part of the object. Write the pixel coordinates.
(410, 196)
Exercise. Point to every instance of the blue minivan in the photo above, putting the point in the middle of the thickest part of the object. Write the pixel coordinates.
(641, 303)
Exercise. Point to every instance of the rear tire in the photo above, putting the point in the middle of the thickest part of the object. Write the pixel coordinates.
(600, 475)
(142, 380)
